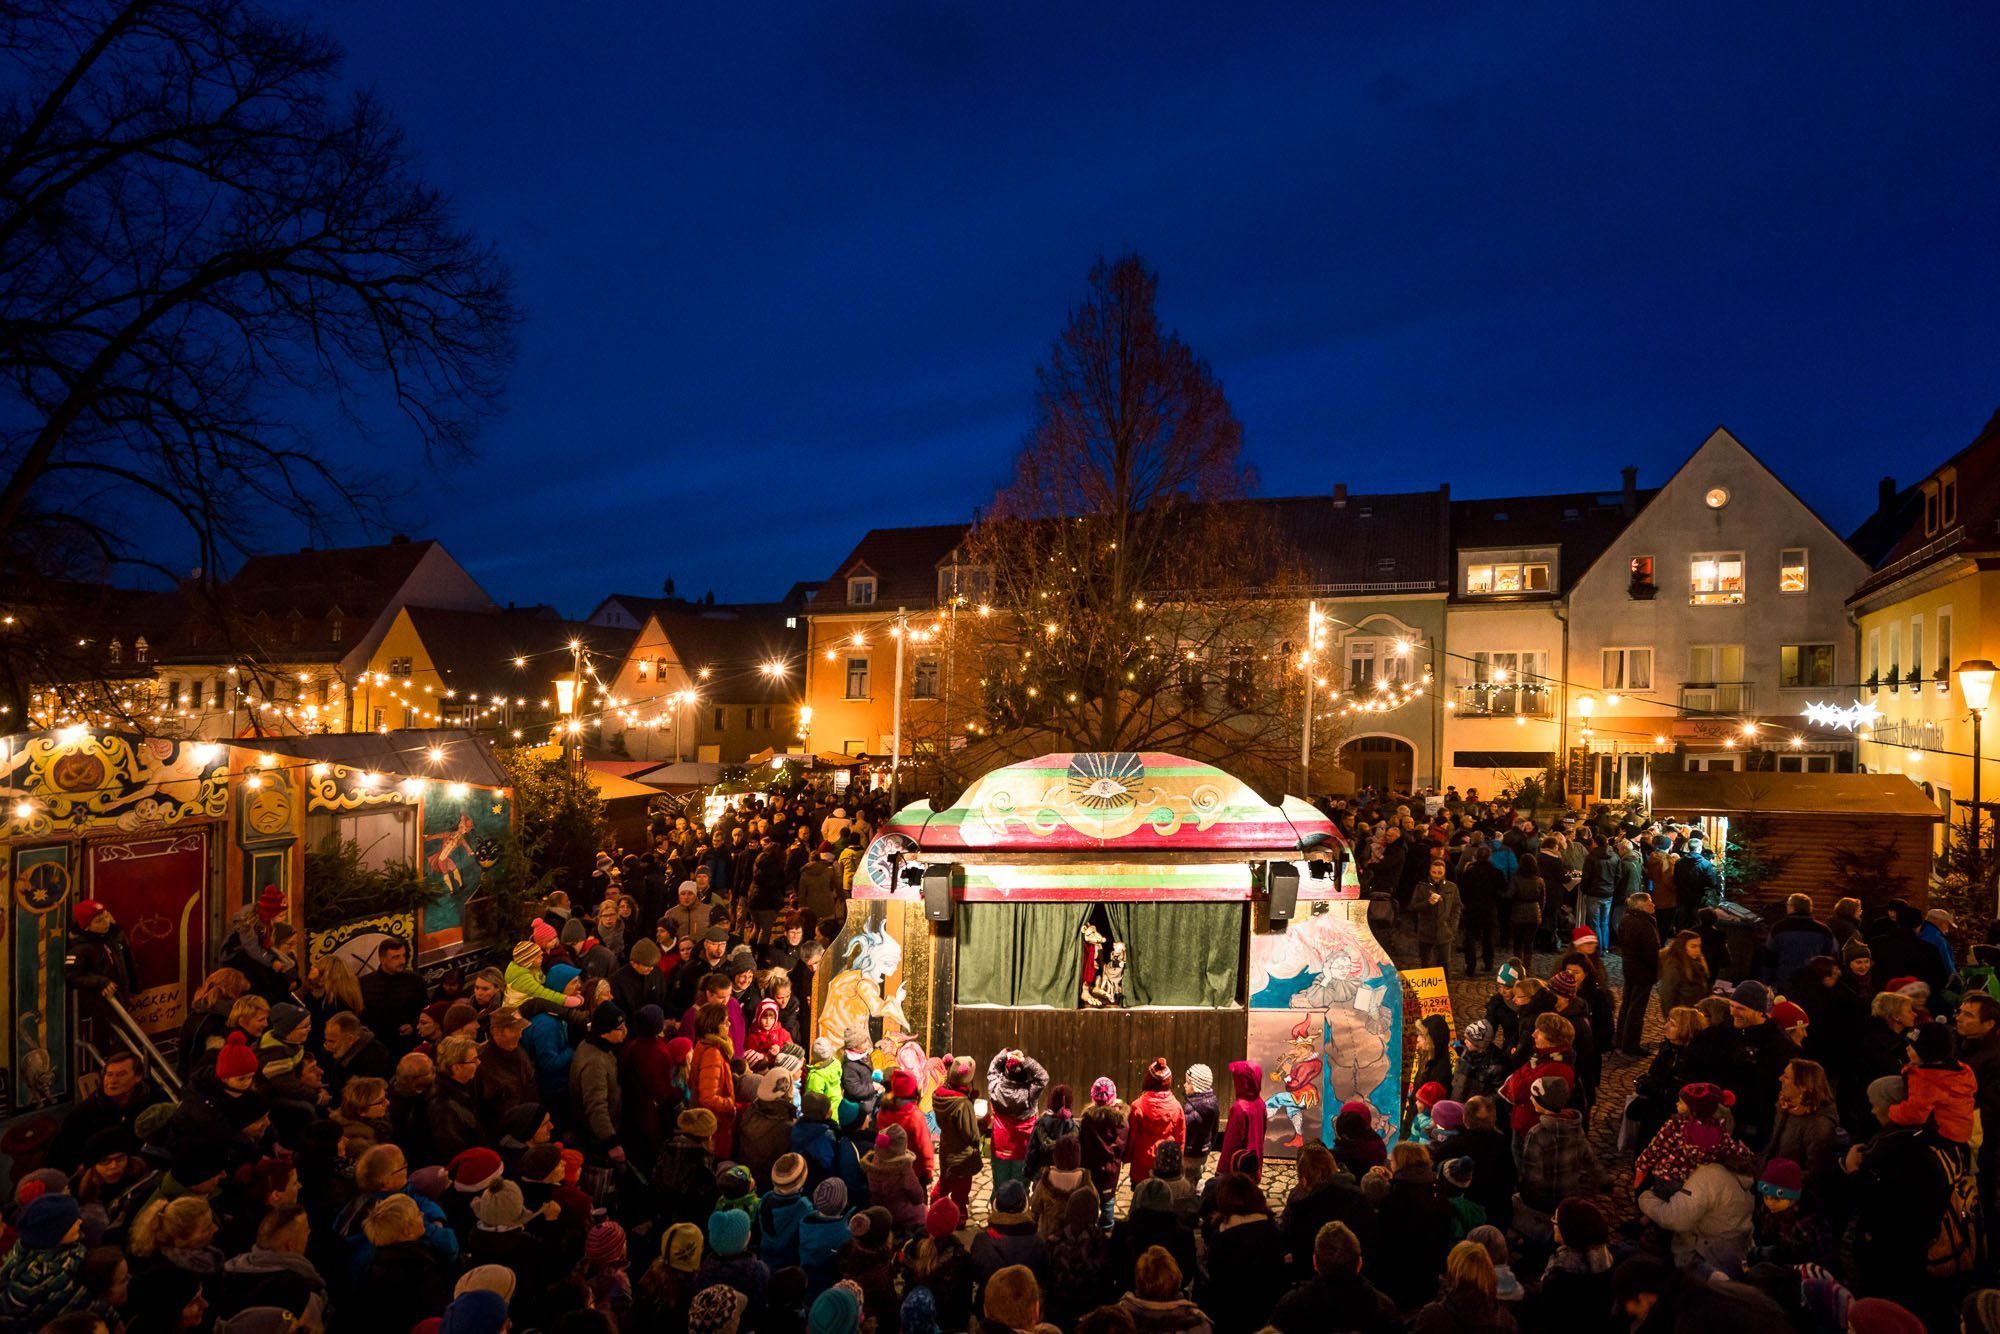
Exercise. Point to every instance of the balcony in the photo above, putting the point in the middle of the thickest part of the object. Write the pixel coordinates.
(1718, 697)
(1485, 699)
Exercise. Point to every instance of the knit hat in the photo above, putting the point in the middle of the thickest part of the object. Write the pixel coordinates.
(1781, 1180)
(430, 1181)
(1102, 1090)
(856, 1037)
(270, 903)
(474, 1169)
(1550, 1093)
(645, 953)
(788, 1174)
(1509, 974)
(1980, 1312)
(84, 911)
(872, 1227)
(1200, 1079)
(682, 1247)
(285, 1017)
(1012, 1196)
(1752, 994)
(1477, 1033)
(573, 932)
(1458, 1172)
(740, 960)
(919, 1313)
(958, 1071)
(728, 1233)
(1448, 1115)
(1067, 1153)
(245, 1109)
(1431, 1094)
(1703, 1100)
(1879, 1315)
(236, 1059)
(678, 1050)
(500, 1206)
(823, 1050)
(1886, 1092)
(791, 1059)
(830, 1198)
(539, 1162)
(734, 1181)
(716, 1308)
(477, 1312)
(1582, 936)
(1934, 1043)
(460, 1013)
(1167, 1161)
(696, 1121)
(1159, 1075)
(649, 1022)
(606, 1018)
(604, 1244)
(1563, 984)
(47, 1220)
(527, 953)
(1788, 1015)
(838, 1311)
(942, 1218)
(902, 1084)
(542, 932)
(487, 1278)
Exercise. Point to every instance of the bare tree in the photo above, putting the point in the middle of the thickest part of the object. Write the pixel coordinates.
(1139, 601)
(202, 235)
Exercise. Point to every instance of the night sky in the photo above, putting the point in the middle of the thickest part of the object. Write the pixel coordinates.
(788, 269)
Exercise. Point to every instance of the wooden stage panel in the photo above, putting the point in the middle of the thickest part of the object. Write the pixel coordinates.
(1079, 1045)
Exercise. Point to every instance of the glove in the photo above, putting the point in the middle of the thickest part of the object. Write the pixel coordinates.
(572, 1002)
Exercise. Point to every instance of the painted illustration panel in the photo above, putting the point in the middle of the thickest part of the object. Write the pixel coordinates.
(41, 888)
(155, 890)
(1326, 1024)
(872, 981)
(92, 781)
(464, 830)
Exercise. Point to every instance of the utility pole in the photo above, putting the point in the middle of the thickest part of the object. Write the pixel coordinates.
(902, 629)
(1306, 730)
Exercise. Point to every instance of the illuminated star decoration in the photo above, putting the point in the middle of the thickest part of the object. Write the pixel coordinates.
(1846, 719)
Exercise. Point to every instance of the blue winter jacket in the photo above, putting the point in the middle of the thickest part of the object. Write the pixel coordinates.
(778, 1220)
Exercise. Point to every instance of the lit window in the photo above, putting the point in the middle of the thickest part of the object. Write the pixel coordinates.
(645, 670)
(114, 651)
(857, 678)
(1716, 578)
(1628, 669)
(1801, 665)
(1642, 571)
(861, 591)
(1792, 570)
(139, 649)
(334, 630)
(1512, 578)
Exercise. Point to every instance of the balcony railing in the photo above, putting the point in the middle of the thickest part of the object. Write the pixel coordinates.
(1487, 700)
(1718, 697)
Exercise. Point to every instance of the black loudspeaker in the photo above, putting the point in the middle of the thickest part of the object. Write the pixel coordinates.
(1281, 882)
(937, 892)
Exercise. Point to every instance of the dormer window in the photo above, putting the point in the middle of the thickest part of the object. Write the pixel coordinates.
(1931, 508)
(140, 649)
(1511, 577)
(114, 651)
(964, 583)
(334, 628)
(861, 590)
(298, 627)
(1947, 497)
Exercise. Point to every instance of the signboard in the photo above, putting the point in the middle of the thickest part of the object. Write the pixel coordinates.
(154, 888)
(1433, 996)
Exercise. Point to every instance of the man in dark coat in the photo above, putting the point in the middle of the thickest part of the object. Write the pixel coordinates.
(122, 1094)
(1978, 1022)
(1479, 887)
(1754, 1055)
(1657, 1298)
(1639, 950)
(1899, 952)
(99, 968)
(1795, 938)
(392, 997)
(352, 1049)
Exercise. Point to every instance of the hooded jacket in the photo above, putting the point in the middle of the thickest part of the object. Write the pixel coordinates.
(1244, 1133)
(1945, 1093)
(1156, 1119)
(958, 1132)
(713, 1086)
(1199, 1117)
(909, 1114)
(893, 1184)
(1013, 1099)
(764, 1135)
(1101, 1131)
(1710, 1217)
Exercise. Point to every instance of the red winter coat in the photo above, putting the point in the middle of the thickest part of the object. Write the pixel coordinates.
(1156, 1119)
(1945, 1095)
(909, 1114)
(1524, 1116)
(1245, 1131)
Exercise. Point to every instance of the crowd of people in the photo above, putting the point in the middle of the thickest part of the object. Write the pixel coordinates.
(632, 1123)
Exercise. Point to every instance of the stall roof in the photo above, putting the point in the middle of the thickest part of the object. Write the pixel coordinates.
(613, 788)
(1791, 794)
(463, 757)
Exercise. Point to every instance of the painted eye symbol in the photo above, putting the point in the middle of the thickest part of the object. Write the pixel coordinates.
(1105, 789)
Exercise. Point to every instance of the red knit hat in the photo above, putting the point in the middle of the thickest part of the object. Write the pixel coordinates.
(1431, 1094)
(1563, 984)
(942, 1218)
(1582, 936)
(235, 1059)
(474, 1169)
(84, 911)
(1704, 1099)
(1787, 1014)
(902, 1084)
(542, 933)
(270, 904)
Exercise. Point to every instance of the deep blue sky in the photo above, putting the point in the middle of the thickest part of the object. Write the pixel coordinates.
(788, 269)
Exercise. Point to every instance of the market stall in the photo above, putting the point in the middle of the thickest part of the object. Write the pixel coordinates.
(1100, 910)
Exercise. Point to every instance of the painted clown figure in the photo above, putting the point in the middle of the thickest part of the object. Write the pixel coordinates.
(1297, 1075)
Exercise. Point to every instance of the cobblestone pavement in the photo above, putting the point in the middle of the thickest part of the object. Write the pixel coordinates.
(1469, 995)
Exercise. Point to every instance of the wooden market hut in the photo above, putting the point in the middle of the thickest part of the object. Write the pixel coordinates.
(1820, 827)
(974, 928)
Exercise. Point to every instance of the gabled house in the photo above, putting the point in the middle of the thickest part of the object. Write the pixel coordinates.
(492, 671)
(1924, 609)
(715, 683)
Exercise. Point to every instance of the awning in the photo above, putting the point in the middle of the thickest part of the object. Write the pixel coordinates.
(613, 788)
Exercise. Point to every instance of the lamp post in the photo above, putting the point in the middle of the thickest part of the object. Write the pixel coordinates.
(1975, 682)
(568, 686)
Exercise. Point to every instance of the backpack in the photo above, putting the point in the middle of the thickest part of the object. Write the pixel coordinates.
(1955, 1249)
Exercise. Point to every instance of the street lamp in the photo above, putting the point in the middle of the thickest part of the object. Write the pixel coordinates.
(1975, 682)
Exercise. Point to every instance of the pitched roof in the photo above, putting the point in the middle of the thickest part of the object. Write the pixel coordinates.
(1582, 524)
(1387, 541)
(904, 562)
(463, 757)
(734, 643)
(1845, 796)
(475, 650)
(1977, 528)
(360, 581)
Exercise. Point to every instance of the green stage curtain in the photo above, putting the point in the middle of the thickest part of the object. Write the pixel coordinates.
(1020, 953)
(1180, 953)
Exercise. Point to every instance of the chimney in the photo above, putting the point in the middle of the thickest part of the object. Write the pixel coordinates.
(1339, 495)
(1885, 493)
(1630, 501)
(399, 539)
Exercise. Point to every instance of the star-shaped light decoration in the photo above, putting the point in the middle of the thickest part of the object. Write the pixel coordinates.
(1846, 719)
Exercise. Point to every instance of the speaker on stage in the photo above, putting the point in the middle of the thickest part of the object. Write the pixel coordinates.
(1281, 882)
(937, 891)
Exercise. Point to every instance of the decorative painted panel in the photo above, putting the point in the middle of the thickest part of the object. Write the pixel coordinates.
(1326, 1023)
(156, 888)
(40, 889)
(91, 782)
(464, 830)
(359, 941)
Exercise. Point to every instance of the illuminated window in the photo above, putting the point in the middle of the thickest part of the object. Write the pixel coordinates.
(861, 591)
(1716, 578)
(645, 670)
(139, 649)
(334, 629)
(1628, 669)
(1642, 571)
(1792, 570)
(114, 651)
(1510, 578)
(1801, 665)
(857, 678)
